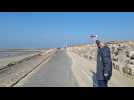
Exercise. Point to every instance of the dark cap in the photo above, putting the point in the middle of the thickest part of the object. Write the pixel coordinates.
(97, 42)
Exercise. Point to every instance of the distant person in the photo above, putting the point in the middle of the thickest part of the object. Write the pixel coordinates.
(104, 64)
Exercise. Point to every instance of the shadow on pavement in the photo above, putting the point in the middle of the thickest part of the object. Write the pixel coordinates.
(94, 79)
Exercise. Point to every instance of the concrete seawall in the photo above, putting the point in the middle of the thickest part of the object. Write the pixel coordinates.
(12, 74)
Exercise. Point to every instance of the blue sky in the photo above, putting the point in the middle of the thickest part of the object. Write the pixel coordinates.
(53, 29)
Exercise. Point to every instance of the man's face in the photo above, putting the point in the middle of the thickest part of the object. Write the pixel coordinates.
(98, 44)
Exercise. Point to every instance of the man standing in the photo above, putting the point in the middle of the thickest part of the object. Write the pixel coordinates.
(104, 64)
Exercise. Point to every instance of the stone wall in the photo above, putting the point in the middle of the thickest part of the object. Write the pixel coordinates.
(122, 55)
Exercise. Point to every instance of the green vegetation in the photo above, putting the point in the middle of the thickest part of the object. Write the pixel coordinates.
(12, 63)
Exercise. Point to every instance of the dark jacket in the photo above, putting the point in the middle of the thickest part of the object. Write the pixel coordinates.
(104, 63)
